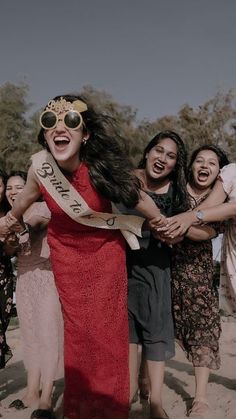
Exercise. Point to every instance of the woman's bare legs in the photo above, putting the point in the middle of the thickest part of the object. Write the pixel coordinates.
(143, 379)
(31, 397)
(156, 370)
(133, 369)
(200, 403)
(45, 401)
(201, 380)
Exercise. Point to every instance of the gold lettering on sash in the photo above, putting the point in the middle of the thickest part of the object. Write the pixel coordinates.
(76, 207)
(47, 171)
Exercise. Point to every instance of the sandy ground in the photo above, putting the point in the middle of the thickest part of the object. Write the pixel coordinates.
(178, 389)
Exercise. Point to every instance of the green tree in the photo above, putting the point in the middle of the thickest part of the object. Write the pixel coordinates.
(210, 123)
(123, 117)
(13, 125)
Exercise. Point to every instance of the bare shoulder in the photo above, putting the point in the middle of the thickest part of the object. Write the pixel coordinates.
(31, 176)
(139, 173)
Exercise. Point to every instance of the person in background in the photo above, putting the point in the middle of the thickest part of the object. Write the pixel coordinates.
(194, 294)
(214, 208)
(38, 306)
(161, 172)
(6, 279)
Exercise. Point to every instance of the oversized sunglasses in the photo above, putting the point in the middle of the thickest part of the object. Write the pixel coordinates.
(72, 119)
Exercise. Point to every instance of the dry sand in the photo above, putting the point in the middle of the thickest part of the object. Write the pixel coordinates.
(178, 389)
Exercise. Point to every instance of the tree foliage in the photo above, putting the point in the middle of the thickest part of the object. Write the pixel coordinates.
(15, 128)
(212, 122)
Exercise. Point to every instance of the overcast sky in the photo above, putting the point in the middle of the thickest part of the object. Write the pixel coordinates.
(154, 55)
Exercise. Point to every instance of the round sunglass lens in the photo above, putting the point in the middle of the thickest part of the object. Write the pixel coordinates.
(48, 120)
(72, 120)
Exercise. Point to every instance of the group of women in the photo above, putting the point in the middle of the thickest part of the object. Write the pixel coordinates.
(82, 174)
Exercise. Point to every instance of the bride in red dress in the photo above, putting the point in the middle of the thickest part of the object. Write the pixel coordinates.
(88, 262)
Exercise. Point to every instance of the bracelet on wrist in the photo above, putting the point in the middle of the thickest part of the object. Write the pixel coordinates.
(22, 233)
(199, 215)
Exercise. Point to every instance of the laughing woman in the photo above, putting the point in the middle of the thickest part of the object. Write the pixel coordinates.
(194, 294)
(81, 172)
(162, 175)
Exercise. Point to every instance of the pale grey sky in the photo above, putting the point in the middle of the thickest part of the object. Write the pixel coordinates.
(154, 55)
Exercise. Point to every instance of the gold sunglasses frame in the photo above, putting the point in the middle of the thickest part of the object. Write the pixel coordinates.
(58, 119)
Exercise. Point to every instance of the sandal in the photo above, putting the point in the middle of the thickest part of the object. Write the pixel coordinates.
(17, 404)
(199, 408)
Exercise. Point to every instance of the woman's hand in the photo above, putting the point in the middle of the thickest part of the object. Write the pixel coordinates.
(13, 224)
(158, 223)
(165, 239)
(178, 224)
(4, 230)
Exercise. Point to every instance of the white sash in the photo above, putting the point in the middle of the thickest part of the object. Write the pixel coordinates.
(72, 203)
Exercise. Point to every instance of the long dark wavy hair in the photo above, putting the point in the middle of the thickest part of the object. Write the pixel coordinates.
(4, 205)
(178, 175)
(222, 157)
(110, 170)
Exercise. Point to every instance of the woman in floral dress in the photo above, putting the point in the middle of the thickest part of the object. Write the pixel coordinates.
(194, 294)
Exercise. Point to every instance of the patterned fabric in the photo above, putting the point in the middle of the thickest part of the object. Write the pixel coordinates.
(195, 300)
(90, 274)
(228, 255)
(6, 300)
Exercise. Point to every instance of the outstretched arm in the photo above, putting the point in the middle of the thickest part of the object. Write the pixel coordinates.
(150, 211)
(147, 206)
(30, 194)
(214, 210)
(180, 223)
(200, 233)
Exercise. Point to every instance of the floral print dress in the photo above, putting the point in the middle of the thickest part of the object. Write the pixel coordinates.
(6, 300)
(195, 300)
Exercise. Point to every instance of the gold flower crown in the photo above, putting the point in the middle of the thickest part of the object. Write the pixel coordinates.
(62, 105)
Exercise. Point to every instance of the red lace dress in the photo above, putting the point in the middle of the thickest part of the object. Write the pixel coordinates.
(90, 275)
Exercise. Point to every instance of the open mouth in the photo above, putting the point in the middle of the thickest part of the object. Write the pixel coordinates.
(61, 142)
(203, 175)
(158, 167)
